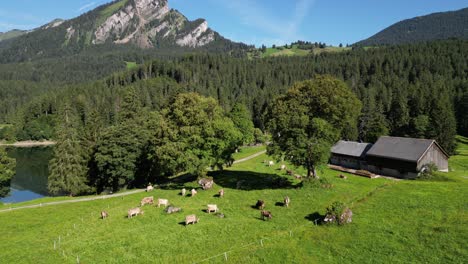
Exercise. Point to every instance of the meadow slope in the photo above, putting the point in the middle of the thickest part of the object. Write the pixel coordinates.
(394, 221)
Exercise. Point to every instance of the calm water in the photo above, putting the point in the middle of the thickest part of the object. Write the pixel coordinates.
(30, 181)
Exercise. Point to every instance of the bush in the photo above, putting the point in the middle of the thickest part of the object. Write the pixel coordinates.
(428, 172)
(318, 183)
(338, 213)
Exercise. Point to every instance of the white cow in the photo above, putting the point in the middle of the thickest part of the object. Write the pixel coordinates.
(149, 188)
(194, 192)
(134, 212)
(183, 192)
(283, 167)
(164, 202)
(212, 208)
(270, 163)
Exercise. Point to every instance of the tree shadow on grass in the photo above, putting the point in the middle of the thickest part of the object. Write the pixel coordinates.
(315, 218)
(280, 204)
(248, 180)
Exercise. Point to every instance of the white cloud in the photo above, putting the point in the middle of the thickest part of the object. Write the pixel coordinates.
(86, 6)
(253, 14)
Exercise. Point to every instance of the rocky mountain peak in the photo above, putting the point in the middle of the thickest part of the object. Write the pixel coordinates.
(146, 22)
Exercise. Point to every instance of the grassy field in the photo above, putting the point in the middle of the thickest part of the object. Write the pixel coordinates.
(394, 222)
(131, 65)
(296, 51)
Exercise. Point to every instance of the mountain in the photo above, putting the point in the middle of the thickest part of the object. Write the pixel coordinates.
(436, 26)
(143, 23)
(11, 34)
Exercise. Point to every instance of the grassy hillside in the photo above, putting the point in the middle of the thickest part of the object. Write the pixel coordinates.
(394, 221)
(293, 50)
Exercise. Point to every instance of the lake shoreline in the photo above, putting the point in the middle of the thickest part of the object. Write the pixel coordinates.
(28, 144)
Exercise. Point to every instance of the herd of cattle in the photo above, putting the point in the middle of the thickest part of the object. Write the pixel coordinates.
(190, 219)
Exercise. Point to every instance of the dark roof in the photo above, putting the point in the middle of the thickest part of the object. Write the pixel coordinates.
(408, 149)
(351, 148)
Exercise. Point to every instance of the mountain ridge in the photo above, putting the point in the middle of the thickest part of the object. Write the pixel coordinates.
(143, 23)
(434, 26)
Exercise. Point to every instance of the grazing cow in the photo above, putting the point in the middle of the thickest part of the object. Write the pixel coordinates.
(283, 167)
(290, 172)
(265, 214)
(147, 200)
(221, 193)
(164, 202)
(212, 208)
(183, 192)
(287, 201)
(104, 214)
(172, 209)
(134, 212)
(191, 219)
(206, 183)
(270, 163)
(193, 192)
(260, 204)
(149, 188)
(343, 177)
(297, 176)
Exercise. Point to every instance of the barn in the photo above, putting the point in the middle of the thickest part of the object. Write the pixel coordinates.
(405, 157)
(349, 154)
(390, 156)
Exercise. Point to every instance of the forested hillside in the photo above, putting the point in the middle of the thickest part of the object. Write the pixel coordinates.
(437, 26)
(410, 90)
(121, 25)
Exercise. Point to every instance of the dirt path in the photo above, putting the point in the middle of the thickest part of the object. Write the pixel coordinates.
(250, 157)
(106, 196)
(102, 197)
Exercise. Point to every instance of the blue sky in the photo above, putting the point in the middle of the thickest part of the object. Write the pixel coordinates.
(255, 21)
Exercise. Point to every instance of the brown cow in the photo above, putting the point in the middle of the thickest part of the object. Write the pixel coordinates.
(191, 219)
(266, 214)
(290, 172)
(134, 212)
(104, 214)
(221, 193)
(260, 204)
(147, 200)
(287, 201)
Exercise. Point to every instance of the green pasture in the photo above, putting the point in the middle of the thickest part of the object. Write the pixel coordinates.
(393, 222)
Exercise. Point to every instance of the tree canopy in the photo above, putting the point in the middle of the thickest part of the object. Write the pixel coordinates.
(310, 118)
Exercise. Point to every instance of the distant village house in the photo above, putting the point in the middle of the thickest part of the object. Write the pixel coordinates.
(390, 156)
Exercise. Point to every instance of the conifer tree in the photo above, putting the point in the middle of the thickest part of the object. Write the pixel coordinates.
(7, 170)
(67, 168)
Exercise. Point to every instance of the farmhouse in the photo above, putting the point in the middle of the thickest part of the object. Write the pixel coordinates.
(349, 154)
(390, 156)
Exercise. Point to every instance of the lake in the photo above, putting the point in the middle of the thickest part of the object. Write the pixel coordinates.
(30, 181)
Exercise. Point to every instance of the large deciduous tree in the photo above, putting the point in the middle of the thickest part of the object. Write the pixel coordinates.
(309, 118)
(119, 148)
(192, 134)
(68, 171)
(241, 117)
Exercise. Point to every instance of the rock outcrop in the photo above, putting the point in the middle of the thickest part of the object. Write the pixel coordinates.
(144, 22)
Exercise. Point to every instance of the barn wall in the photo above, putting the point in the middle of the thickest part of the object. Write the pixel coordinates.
(345, 161)
(436, 156)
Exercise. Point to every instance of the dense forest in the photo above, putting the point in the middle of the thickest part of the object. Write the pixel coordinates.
(409, 90)
(436, 26)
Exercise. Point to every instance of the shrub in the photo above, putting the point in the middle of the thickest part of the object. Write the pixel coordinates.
(338, 213)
